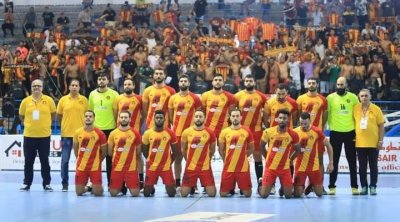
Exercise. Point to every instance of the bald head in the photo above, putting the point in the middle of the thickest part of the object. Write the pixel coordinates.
(341, 81)
(341, 85)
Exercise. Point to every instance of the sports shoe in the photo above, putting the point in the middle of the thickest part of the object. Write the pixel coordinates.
(64, 188)
(232, 192)
(141, 188)
(88, 189)
(48, 188)
(364, 191)
(25, 188)
(308, 190)
(354, 191)
(372, 191)
(324, 191)
(332, 191)
(178, 189)
(124, 190)
(273, 190)
(192, 191)
(281, 192)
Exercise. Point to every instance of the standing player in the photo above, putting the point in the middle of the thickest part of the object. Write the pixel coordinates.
(129, 101)
(341, 123)
(283, 146)
(124, 148)
(316, 105)
(90, 148)
(101, 101)
(181, 108)
(159, 147)
(251, 103)
(307, 162)
(156, 97)
(281, 101)
(217, 103)
(198, 147)
(235, 144)
(70, 113)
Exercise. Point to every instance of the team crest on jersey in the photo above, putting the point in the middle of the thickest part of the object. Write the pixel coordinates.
(311, 138)
(286, 140)
(129, 137)
(108, 97)
(348, 100)
(242, 135)
(44, 102)
(164, 138)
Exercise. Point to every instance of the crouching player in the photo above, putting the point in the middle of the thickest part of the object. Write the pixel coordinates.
(124, 149)
(307, 162)
(198, 147)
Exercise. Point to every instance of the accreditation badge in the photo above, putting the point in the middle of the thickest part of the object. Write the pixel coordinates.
(364, 123)
(35, 114)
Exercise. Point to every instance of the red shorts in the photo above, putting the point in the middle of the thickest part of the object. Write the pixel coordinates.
(190, 178)
(315, 178)
(131, 179)
(270, 176)
(82, 177)
(229, 180)
(166, 176)
(257, 140)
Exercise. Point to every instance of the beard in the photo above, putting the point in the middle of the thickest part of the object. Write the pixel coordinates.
(159, 81)
(249, 88)
(198, 123)
(312, 89)
(128, 91)
(124, 124)
(217, 87)
(183, 88)
(341, 91)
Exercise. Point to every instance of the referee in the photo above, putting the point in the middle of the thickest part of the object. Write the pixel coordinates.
(341, 124)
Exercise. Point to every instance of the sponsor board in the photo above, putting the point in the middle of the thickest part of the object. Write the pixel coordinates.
(12, 156)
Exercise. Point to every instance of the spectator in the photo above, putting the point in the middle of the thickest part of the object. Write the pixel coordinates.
(199, 10)
(30, 21)
(109, 13)
(63, 20)
(8, 24)
(48, 19)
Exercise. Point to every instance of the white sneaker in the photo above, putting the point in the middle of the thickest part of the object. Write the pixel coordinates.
(273, 190)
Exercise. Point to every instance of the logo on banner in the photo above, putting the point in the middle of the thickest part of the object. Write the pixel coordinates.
(14, 149)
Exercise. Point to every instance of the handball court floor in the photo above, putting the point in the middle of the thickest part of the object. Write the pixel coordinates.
(37, 205)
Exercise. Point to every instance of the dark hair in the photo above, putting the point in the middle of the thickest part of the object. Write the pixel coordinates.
(102, 74)
(283, 111)
(75, 80)
(305, 115)
(312, 78)
(234, 110)
(159, 112)
(125, 111)
(91, 111)
(184, 77)
(282, 86)
(200, 110)
(127, 78)
(249, 76)
(218, 75)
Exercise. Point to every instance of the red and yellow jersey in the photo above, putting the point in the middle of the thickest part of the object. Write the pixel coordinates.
(159, 143)
(81, 61)
(333, 19)
(157, 99)
(133, 104)
(315, 105)
(251, 105)
(124, 149)
(279, 147)
(217, 108)
(54, 63)
(89, 152)
(236, 141)
(273, 105)
(354, 35)
(183, 108)
(223, 70)
(198, 148)
(332, 41)
(125, 15)
(243, 31)
(158, 16)
(308, 159)
(268, 31)
(253, 23)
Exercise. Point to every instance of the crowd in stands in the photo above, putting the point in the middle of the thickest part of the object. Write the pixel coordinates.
(357, 39)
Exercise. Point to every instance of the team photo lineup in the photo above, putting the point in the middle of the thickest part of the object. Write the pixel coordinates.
(154, 98)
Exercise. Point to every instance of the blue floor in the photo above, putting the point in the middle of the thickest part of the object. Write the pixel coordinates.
(37, 205)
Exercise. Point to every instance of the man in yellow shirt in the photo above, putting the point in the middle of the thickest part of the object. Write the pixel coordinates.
(36, 113)
(369, 127)
(70, 114)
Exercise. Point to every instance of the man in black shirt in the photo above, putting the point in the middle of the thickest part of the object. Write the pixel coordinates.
(48, 19)
(109, 13)
(128, 68)
(199, 9)
(63, 20)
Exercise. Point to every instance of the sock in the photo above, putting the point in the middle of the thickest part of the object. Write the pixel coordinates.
(141, 177)
(291, 170)
(178, 182)
(258, 166)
